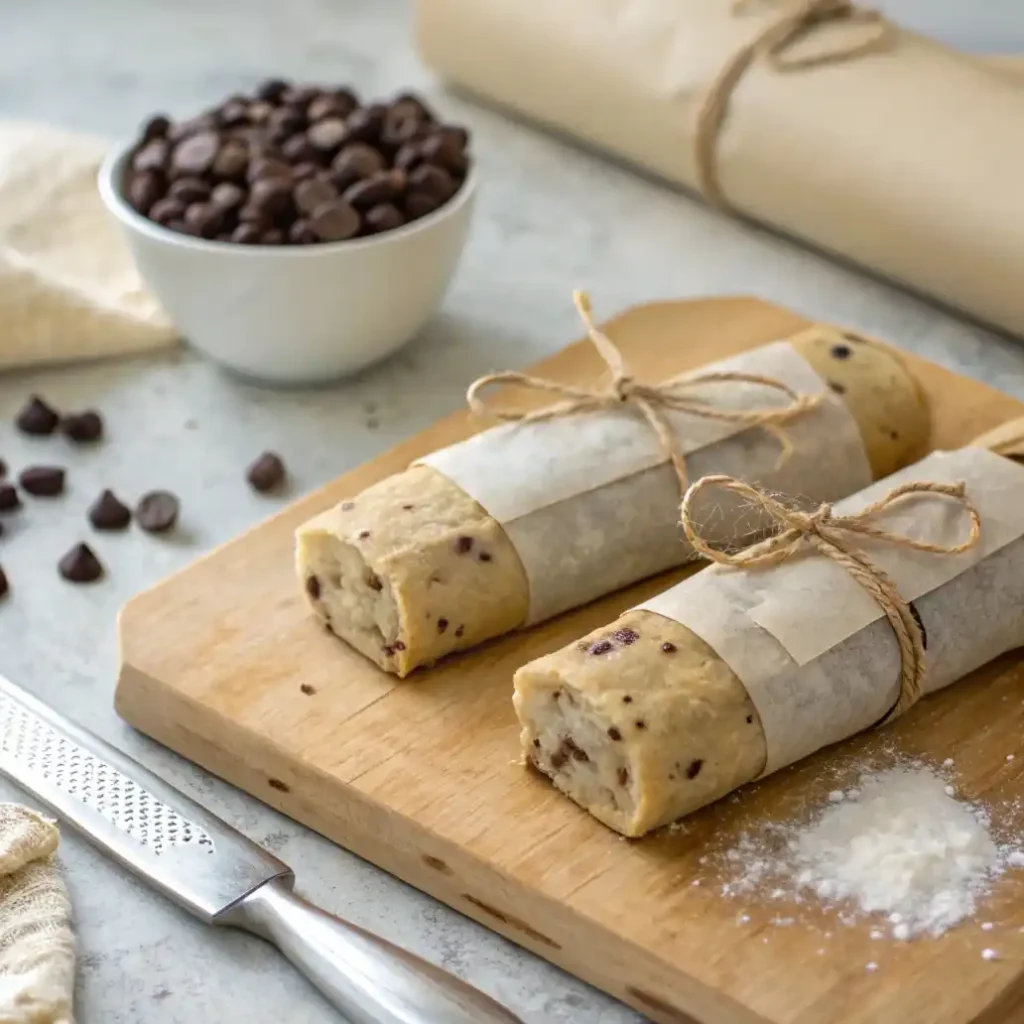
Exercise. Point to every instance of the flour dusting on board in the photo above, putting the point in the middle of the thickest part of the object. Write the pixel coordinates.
(899, 845)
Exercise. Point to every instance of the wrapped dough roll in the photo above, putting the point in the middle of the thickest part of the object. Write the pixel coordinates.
(645, 720)
(415, 567)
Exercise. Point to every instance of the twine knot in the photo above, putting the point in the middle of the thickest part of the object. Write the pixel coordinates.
(834, 537)
(774, 43)
(652, 401)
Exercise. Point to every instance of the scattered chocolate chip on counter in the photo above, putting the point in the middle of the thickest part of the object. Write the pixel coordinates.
(80, 565)
(296, 165)
(37, 418)
(4, 585)
(107, 512)
(157, 511)
(3, 469)
(266, 473)
(82, 427)
(42, 481)
(9, 498)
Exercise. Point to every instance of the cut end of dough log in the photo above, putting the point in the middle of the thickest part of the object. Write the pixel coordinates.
(635, 755)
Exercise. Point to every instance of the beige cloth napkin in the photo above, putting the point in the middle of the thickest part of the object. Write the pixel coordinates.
(68, 287)
(37, 951)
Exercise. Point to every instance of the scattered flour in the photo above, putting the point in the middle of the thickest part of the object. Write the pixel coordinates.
(905, 848)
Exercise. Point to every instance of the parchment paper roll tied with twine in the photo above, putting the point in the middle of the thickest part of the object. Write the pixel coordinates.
(650, 400)
(835, 537)
(820, 119)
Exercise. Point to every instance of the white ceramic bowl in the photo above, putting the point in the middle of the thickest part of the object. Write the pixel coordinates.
(296, 314)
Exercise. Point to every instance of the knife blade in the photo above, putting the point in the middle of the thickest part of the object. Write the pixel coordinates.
(217, 874)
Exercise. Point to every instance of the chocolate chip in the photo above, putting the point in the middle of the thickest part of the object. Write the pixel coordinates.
(307, 689)
(37, 417)
(328, 134)
(299, 149)
(626, 636)
(559, 758)
(166, 211)
(841, 351)
(304, 171)
(313, 587)
(693, 768)
(3, 469)
(382, 187)
(266, 473)
(232, 161)
(328, 106)
(205, 219)
(80, 565)
(189, 190)
(839, 389)
(272, 89)
(459, 630)
(157, 511)
(108, 513)
(382, 217)
(750, 719)
(195, 155)
(9, 499)
(409, 156)
(627, 699)
(347, 506)
(536, 743)
(447, 148)
(363, 534)
(152, 156)
(640, 724)
(300, 233)
(388, 651)
(246, 234)
(144, 190)
(668, 648)
(365, 124)
(623, 777)
(463, 545)
(272, 237)
(614, 733)
(335, 222)
(4, 585)
(271, 197)
(399, 646)
(311, 194)
(485, 556)
(373, 581)
(42, 481)
(419, 204)
(408, 508)
(576, 752)
(601, 647)
(893, 435)
(155, 128)
(278, 785)
(268, 167)
(227, 196)
(434, 181)
(355, 162)
(442, 625)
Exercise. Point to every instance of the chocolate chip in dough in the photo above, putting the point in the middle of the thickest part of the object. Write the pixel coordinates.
(623, 777)
(307, 689)
(42, 481)
(839, 389)
(266, 473)
(442, 625)
(157, 511)
(626, 636)
(627, 699)
(463, 545)
(37, 418)
(614, 734)
(80, 565)
(313, 587)
(601, 647)
(9, 499)
(668, 648)
(82, 427)
(459, 630)
(750, 719)
(694, 767)
(107, 512)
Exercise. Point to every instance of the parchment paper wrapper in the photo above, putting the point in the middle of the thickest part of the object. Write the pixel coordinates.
(814, 651)
(907, 162)
(590, 502)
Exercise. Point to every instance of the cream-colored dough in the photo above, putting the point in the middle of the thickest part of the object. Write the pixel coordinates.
(68, 287)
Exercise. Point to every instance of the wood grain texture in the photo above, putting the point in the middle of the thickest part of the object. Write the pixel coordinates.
(223, 664)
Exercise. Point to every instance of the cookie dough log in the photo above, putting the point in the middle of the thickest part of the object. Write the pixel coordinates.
(633, 754)
(413, 568)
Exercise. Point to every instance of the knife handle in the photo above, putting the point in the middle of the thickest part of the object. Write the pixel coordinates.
(367, 978)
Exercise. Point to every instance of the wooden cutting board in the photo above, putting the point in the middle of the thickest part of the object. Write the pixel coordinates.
(223, 664)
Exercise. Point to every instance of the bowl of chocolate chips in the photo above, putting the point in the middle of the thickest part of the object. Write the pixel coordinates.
(295, 233)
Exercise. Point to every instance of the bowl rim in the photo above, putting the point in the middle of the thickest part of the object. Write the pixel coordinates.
(112, 167)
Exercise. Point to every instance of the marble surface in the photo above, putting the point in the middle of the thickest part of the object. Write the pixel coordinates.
(549, 218)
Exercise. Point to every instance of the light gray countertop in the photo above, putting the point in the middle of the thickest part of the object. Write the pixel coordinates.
(549, 219)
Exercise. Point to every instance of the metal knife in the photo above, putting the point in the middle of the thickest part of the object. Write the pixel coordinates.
(213, 871)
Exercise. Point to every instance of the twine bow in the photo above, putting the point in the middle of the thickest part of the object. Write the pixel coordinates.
(834, 536)
(796, 20)
(653, 401)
